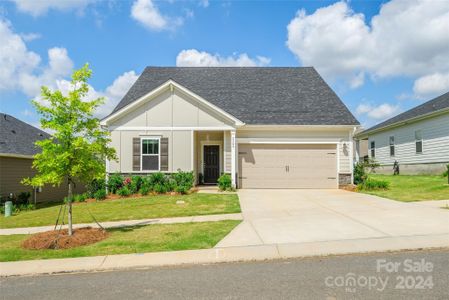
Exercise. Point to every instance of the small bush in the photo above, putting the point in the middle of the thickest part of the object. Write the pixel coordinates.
(144, 189)
(23, 207)
(225, 182)
(446, 173)
(374, 184)
(160, 188)
(94, 186)
(183, 181)
(359, 173)
(100, 195)
(136, 183)
(80, 198)
(115, 182)
(161, 183)
(22, 198)
(124, 191)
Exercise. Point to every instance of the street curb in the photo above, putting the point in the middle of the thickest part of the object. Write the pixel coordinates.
(221, 255)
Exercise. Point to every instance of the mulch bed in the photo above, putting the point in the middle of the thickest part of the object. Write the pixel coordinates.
(56, 239)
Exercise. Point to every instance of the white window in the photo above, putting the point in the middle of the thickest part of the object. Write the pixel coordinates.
(150, 159)
(418, 141)
(391, 145)
(373, 149)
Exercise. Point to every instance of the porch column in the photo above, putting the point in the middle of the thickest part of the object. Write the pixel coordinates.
(233, 171)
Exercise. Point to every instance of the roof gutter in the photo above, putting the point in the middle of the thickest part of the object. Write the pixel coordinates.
(14, 155)
(366, 133)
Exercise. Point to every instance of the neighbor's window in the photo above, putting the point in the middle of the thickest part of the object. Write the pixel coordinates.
(373, 149)
(391, 145)
(418, 141)
(150, 154)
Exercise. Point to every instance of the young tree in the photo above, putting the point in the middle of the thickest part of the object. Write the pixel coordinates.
(78, 147)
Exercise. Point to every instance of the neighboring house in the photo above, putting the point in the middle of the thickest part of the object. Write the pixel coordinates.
(267, 127)
(417, 139)
(17, 148)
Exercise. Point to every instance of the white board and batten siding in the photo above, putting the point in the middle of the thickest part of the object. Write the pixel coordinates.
(435, 140)
(171, 114)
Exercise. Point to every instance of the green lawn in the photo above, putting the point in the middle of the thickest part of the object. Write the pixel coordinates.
(160, 206)
(139, 239)
(409, 188)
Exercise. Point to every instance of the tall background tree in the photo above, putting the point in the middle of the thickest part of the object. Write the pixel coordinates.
(78, 147)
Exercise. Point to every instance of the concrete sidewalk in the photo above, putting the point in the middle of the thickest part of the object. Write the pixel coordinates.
(128, 223)
(222, 255)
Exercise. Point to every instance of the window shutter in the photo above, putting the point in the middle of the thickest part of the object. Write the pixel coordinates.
(164, 154)
(136, 154)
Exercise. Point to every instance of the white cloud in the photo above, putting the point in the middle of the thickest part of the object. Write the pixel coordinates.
(27, 113)
(406, 38)
(146, 13)
(22, 70)
(41, 7)
(195, 58)
(432, 85)
(28, 37)
(379, 113)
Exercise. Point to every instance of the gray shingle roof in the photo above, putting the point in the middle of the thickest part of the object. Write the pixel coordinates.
(17, 137)
(254, 95)
(439, 103)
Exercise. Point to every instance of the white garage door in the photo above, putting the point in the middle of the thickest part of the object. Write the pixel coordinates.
(287, 166)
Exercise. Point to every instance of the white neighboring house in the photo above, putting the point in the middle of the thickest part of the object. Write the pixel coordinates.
(267, 127)
(417, 139)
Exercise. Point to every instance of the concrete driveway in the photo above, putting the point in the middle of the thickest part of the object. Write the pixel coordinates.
(299, 216)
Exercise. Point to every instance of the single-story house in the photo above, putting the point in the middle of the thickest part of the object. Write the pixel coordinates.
(267, 127)
(417, 139)
(17, 148)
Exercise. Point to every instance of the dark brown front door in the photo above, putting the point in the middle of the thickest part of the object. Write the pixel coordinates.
(211, 163)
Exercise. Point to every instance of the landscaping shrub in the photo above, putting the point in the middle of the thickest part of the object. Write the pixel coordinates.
(183, 181)
(136, 183)
(373, 184)
(161, 183)
(124, 191)
(94, 186)
(115, 182)
(446, 173)
(225, 182)
(80, 197)
(22, 198)
(144, 189)
(22, 207)
(359, 173)
(100, 195)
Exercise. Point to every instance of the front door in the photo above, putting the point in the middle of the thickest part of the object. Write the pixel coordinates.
(211, 163)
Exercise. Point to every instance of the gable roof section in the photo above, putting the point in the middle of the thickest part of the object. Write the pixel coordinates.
(438, 104)
(18, 138)
(254, 95)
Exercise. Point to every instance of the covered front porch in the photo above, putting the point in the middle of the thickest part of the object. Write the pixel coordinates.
(214, 153)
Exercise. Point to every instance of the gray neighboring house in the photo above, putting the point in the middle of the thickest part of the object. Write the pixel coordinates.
(17, 148)
(267, 127)
(417, 139)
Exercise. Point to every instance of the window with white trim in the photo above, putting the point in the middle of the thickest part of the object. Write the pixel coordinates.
(150, 154)
(418, 141)
(391, 145)
(373, 149)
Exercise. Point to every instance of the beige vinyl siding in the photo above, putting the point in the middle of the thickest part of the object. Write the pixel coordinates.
(345, 157)
(435, 136)
(13, 170)
(179, 149)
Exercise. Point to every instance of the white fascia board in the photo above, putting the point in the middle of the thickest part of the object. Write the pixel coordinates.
(13, 155)
(168, 128)
(169, 85)
(297, 127)
(285, 141)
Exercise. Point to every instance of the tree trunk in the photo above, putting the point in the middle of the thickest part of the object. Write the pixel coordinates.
(69, 204)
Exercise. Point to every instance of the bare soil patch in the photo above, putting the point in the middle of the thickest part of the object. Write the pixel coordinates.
(349, 187)
(56, 239)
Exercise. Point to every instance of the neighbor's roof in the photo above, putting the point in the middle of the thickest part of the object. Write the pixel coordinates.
(254, 95)
(429, 107)
(17, 137)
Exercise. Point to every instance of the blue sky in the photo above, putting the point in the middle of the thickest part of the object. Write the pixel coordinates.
(380, 57)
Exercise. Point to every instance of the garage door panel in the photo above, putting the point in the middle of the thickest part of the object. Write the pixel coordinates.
(309, 166)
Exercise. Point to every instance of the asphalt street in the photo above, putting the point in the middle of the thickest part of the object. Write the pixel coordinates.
(405, 275)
